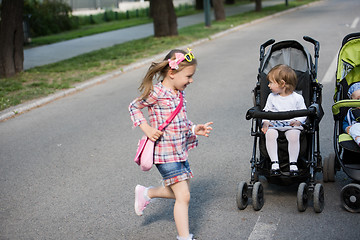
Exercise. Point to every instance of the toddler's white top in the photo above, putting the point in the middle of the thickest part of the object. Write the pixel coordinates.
(277, 103)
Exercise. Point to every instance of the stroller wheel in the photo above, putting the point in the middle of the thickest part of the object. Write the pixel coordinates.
(350, 197)
(318, 198)
(302, 197)
(242, 195)
(258, 196)
(329, 168)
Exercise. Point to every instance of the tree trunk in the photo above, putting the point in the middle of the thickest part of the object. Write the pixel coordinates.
(199, 4)
(219, 10)
(11, 38)
(258, 5)
(172, 19)
(165, 21)
(230, 1)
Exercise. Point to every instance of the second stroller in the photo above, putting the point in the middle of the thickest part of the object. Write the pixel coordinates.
(347, 152)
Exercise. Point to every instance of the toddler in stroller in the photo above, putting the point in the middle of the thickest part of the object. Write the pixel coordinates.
(282, 83)
(351, 123)
(305, 159)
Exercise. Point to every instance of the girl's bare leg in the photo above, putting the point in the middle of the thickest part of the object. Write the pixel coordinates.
(181, 193)
(161, 192)
(181, 208)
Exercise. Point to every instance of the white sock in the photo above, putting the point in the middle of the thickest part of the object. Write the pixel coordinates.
(275, 166)
(185, 238)
(146, 194)
(293, 168)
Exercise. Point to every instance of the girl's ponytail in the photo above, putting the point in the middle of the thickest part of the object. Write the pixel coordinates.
(147, 83)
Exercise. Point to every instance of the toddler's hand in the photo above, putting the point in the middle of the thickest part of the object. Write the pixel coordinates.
(265, 126)
(203, 129)
(295, 123)
(347, 129)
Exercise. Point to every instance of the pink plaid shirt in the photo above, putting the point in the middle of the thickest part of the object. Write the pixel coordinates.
(178, 138)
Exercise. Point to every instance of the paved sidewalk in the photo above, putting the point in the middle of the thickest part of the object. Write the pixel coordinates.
(52, 53)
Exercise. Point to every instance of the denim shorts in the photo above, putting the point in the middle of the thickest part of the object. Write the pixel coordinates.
(174, 172)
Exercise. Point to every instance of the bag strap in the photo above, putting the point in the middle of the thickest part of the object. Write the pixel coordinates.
(173, 114)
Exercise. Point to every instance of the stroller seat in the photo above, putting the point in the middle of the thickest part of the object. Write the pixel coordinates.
(347, 142)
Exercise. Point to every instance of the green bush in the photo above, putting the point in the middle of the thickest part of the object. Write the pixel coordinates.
(49, 17)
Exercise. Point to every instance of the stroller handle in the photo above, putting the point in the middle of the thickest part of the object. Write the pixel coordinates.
(316, 53)
(313, 110)
(349, 37)
(316, 45)
(263, 46)
(267, 43)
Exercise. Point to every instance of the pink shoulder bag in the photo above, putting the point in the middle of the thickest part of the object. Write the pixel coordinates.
(145, 151)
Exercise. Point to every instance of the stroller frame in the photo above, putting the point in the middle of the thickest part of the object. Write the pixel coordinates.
(313, 161)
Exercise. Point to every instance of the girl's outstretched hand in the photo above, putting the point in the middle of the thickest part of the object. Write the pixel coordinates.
(203, 129)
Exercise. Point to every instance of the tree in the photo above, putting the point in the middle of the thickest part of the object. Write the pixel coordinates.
(165, 21)
(258, 6)
(199, 4)
(230, 2)
(219, 10)
(11, 37)
(218, 5)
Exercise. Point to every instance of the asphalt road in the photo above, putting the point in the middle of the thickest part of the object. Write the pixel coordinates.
(66, 169)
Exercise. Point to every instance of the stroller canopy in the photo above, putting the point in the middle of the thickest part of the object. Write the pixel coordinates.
(349, 62)
(290, 53)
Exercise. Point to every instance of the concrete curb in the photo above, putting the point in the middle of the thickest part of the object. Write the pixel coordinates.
(25, 107)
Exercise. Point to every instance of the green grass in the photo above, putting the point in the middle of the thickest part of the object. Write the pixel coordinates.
(41, 81)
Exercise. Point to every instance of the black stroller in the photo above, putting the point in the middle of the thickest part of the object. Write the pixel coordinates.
(347, 153)
(291, 53)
